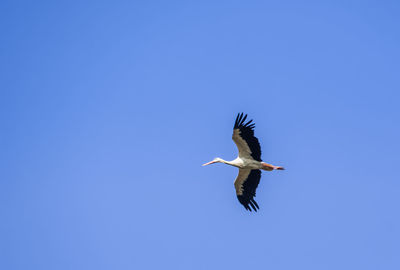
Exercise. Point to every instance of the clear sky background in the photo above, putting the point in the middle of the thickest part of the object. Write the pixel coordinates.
(109, 108)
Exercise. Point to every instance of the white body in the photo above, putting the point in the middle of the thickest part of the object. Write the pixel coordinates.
(243, 163)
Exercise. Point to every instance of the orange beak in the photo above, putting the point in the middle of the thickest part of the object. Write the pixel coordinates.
(208, 163)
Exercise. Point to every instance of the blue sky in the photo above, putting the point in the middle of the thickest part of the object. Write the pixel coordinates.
(108, 109)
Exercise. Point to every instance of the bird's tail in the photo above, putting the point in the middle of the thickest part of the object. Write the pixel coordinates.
(269, 167)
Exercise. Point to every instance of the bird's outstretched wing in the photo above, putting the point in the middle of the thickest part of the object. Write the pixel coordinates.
(246, 184)
(243, 136)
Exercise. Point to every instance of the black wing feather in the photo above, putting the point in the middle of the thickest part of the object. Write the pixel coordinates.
(249, 190)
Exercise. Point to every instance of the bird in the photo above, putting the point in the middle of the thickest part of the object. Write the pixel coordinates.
(248, 161)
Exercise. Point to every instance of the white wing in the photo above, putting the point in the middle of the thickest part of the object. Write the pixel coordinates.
(243, 147)
(246, 184)
(246, 142)
(242, 176)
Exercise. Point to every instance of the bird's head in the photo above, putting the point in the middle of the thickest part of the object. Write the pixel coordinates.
(215, 160)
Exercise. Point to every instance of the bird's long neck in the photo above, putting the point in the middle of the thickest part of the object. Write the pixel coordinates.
(232, 162)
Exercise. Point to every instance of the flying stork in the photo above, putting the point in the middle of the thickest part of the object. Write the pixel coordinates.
(249, 162)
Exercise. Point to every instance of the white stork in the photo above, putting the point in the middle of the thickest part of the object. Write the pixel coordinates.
(249, 162)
